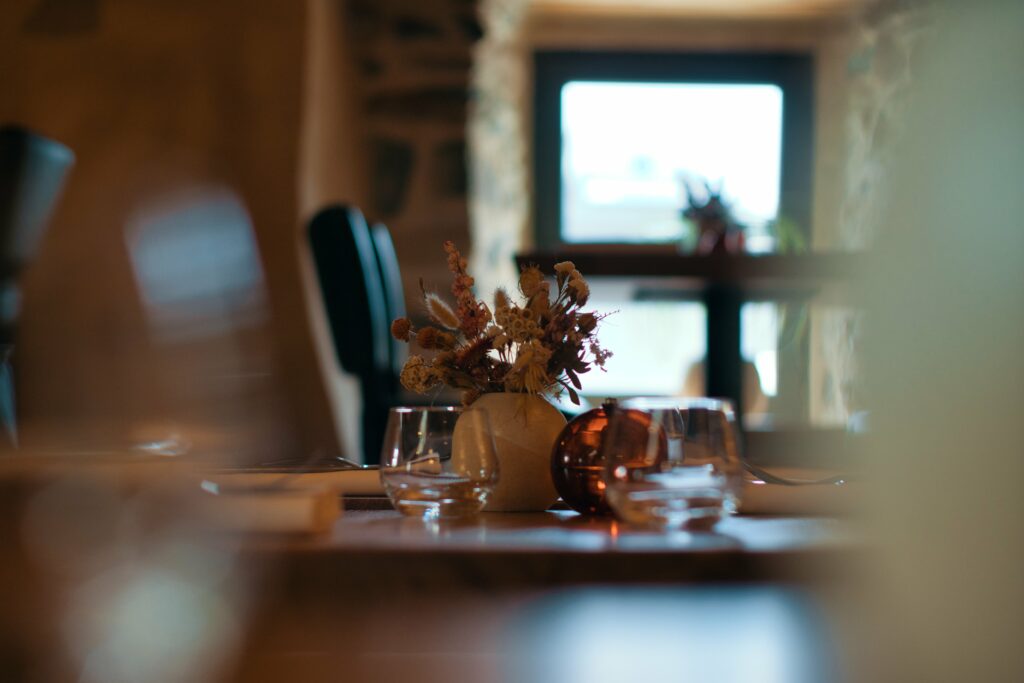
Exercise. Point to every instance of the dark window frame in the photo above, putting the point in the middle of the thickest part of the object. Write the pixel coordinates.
(793, 73)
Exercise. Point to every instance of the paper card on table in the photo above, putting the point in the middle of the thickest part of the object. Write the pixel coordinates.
(271, 510)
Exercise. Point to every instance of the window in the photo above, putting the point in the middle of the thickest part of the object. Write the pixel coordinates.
(667, 337)
(617, 134)
(628, 148)
(618, 138)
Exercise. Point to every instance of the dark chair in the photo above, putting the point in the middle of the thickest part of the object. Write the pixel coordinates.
(394, 295)
(32, 173)
(353, 264)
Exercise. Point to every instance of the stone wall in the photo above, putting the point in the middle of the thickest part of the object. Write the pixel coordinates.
(499, 139)
(413, 60)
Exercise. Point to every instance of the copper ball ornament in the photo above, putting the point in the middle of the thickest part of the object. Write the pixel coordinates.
(576, 463)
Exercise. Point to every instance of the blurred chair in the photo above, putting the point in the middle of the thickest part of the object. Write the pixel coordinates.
(32, 173)
(394, 295)
(361, 287)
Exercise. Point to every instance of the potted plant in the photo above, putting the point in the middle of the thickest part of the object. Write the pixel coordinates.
(506, 362)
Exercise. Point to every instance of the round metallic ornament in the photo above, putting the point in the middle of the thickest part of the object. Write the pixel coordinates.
(576, 462)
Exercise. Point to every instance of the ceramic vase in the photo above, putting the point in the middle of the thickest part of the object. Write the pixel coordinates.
(525, 428)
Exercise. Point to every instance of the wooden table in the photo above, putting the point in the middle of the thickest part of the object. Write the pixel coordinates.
(503, 597)
(556, 548)
(552, 596)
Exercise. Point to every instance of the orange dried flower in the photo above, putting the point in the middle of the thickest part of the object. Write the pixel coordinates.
(587, 323)
(433, 338)
(400, 329)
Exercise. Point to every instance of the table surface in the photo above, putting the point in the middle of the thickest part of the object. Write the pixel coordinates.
(562, 548)
(546, 597)
(566, 531)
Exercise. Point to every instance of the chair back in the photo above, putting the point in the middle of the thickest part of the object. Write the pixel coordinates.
(394, 296)
(353, 295)
(32, 174)
(361, 288)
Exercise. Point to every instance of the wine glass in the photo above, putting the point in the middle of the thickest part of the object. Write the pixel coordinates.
(438, 462)
(672, 462)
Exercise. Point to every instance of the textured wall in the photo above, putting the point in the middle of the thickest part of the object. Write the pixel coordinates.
(414, 59)
(498, 142)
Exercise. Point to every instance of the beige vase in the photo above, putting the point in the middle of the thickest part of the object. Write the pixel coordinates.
(525, 428)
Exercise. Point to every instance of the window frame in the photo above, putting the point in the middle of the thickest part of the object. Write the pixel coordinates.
(793, 73)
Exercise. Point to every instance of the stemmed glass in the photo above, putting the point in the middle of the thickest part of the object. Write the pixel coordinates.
(438, 462)
(672, 463)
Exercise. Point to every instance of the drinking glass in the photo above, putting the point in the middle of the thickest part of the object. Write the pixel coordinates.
(672, 462)
(438, 462)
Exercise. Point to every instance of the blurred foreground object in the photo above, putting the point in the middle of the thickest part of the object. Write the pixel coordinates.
(32, 174)
(196, 265)
(945, 361)
(112, 569)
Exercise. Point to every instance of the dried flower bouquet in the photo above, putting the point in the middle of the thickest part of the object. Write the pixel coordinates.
(540, 346)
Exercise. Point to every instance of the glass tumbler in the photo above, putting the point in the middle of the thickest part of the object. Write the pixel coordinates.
(672, 463)
(438, 462)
